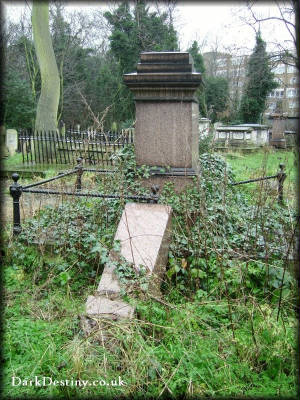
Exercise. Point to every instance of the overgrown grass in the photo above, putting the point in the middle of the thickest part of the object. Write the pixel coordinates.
(13, 161)
(265, 162)
(224, 326)
(182, 347)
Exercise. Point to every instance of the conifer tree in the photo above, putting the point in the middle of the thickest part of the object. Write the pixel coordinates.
(194, 51)
(260, 82)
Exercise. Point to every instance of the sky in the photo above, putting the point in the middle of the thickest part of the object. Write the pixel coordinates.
(208, 22)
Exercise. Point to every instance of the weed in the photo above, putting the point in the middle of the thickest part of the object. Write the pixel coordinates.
(214, 333)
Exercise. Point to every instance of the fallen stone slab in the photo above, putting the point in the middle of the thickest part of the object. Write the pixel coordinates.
(144, 233)
(100, 306)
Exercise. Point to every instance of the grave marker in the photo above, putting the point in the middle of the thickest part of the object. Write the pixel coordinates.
(144, 232)
(167, 115)
(11, 141)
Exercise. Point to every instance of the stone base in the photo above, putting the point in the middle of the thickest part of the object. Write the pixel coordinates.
(180, 182)
(279, 143)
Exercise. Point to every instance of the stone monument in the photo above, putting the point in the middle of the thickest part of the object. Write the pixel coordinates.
(167, 115)
(11, 141)
(278, 128)
(166, 140)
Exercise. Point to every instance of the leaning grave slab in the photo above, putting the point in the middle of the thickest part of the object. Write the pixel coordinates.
(144, 232)
(166, 140)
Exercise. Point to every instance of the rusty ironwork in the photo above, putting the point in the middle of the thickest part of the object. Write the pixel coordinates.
(16, 192)
(79, 171)
(280, 176)
(254, 180)
(62, 148)
(16, 189)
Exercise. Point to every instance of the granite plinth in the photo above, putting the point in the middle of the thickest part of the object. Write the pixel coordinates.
(173, 57)
(166, 134)
(167, 112)
(180, 182)
(181, 79)
(278, 128)
(163, 67)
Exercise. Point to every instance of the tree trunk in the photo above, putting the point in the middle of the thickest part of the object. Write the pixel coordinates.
(46, 113)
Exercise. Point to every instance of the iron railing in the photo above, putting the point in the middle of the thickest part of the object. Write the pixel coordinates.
(280, 176)
(54, 147)
(16, 191)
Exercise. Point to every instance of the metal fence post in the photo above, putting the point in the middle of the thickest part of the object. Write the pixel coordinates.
(79, 169)
(154, 196)
(281, 176)
(16, 191)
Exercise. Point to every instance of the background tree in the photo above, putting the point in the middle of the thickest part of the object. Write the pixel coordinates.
(194, 50)
(19, 108)
(260, 82)
(21, 81)
(287, 51)
(47, 107)
(134, 30)
(216, 96)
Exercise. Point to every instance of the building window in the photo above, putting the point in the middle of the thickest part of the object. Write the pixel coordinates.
(278, 80)
(236, 61)
(279, 69)
(279, 92)
(222, 62)
(291, 69)
(272, 106)
(293, 104)
(293, 80)
(221, 72)
(292, 92)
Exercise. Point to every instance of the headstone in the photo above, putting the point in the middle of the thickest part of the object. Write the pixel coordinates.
(11, 141)
(204, 124)
(144, 233)
(166, 129)
(3, 147)
(278, 128)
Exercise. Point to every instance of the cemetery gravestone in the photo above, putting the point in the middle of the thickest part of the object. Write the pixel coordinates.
(166, 135)
(11, 141)
(278, 128)
(204, 124)
(166, 130)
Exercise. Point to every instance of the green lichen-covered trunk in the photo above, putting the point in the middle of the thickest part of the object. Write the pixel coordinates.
(46, 114)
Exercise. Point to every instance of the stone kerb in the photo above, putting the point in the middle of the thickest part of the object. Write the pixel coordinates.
(166, 129)
(144, 232)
